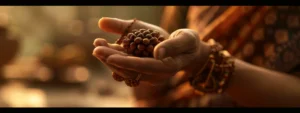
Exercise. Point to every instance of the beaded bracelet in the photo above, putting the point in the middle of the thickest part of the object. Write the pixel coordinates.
(214, 75)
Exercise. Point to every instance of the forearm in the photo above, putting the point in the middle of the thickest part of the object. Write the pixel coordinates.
(254, 86)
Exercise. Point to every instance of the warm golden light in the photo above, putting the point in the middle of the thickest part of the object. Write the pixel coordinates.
(77, 74)
(44, 74)
(81, 74)
(76, 27)
(36, 98)
(17, 95)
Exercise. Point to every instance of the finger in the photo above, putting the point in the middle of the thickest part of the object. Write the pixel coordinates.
(118, 26)
(183, 41)
(143, 65)
(128, 74)
(103, 42)
(100, 42)
(102, 52)
(146, 66)
(121, 72)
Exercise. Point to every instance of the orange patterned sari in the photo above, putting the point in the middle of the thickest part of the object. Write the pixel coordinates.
(265, 36)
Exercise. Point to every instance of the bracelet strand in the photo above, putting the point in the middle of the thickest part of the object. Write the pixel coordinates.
(213, 77)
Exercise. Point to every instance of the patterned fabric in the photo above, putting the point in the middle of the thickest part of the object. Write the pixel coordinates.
(262, 35)
(267, 36)
(200, 16)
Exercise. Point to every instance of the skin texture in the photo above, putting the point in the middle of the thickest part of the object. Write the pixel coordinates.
(250, 86)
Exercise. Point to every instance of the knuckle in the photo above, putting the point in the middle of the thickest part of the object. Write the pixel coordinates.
(176, 33)
(192, 34)
(189, 33)
(192, 37)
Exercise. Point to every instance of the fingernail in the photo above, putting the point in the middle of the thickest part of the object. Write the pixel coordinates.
(103, 43)
(161, 53)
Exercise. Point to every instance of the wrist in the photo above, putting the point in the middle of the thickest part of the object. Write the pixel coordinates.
(204, 52)
(202, 56)
(214, 73)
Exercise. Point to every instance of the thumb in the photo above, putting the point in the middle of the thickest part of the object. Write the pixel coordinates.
(181, 41)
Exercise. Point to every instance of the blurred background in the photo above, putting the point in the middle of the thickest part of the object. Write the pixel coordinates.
(46, 56)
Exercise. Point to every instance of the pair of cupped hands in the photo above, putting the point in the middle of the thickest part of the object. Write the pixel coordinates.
(181, 51)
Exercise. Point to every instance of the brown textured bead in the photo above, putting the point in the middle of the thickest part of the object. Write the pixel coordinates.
(140, 35)
(132, 83)
(154, 40)
(141, 47)
(146, 54)
(117, 77)
(146, 33)
(137, 53)
(150, 48)
(141, 42)
(132, 45)
(161, 38)
(131, 36)
(138, 40)
(126, 46)
(142, 30)
(126, 41)
(130, 51)
(146, 41)
(148, 36)
(136, 32)
(155, 34)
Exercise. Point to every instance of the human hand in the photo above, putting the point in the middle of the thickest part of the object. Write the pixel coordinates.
(181, 51)
(144, 93)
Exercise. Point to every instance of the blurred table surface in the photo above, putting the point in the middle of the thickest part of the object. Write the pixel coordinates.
(16, 94)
